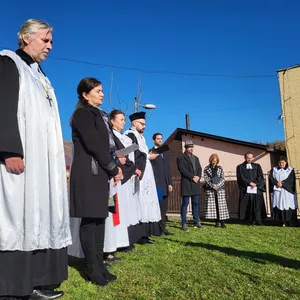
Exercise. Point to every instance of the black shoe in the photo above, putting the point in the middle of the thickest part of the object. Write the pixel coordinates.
(97, 279)
(166, 232)
(184, 228)
(113, 259)
(108, 276)
(126, 249)
(259, 223)
(198, 225)
(217, 224)
(149, 241)
(45, 294)
(141, 241)
(223, 225)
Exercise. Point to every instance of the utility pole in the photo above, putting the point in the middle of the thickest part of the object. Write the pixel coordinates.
(136, 104)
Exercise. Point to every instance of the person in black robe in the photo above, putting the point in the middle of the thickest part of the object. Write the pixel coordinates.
(150, 228)
(251, 183)
(283, 189)
(163, 180)
(25, 272)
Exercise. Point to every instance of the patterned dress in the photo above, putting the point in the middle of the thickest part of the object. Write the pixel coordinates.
(215, 201)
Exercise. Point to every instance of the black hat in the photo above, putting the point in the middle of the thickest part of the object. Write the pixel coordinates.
(137, 115)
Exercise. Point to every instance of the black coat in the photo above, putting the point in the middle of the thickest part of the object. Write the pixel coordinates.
(129, 167)
(185, 167)
(162, 172)
(89, 192)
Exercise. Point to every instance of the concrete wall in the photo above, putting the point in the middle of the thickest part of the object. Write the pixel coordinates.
(289, 82)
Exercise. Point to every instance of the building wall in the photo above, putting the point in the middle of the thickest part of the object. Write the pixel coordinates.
(175, 151)
(289, 82)
(230, 154)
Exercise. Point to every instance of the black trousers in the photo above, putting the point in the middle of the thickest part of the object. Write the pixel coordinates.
(92, 240)
(163, 204)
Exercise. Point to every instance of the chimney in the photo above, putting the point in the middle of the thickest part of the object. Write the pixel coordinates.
(187, 121)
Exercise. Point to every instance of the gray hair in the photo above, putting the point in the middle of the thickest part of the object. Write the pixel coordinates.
(30, 28)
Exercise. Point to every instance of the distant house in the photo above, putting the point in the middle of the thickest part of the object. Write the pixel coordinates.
(231, 153)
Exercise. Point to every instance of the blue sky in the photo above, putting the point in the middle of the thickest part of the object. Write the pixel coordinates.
(237, 38)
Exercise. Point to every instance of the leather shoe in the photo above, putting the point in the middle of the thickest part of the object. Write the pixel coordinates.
(113, 259)
(149, 241)
(166, 232)
(106, 264)
(45, 295)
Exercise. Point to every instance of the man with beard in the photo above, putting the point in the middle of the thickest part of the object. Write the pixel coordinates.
(251, 183)
(149, 210)
(34, 220)
(190, 169)
(163, 180)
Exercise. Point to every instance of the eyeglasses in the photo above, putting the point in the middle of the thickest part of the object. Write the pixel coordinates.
(143, 124)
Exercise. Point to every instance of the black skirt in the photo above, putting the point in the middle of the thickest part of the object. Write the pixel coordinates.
(134, 233)
(22, 271)
(150, 228)
(285, 216)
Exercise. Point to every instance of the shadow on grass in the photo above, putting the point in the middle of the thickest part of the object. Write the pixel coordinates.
(78, 264)
(261, 258)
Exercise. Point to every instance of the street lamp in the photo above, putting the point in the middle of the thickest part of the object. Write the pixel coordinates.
(146, 106)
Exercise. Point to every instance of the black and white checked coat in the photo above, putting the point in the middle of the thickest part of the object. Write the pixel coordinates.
(210, 209)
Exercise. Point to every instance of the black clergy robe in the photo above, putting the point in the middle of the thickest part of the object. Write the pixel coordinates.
(289, 184)
(140, 157)
(251, 206)
(21, 271)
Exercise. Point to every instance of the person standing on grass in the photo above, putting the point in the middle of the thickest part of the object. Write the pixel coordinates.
(163, 180)
(94, 164)
(284, 197)
(147, 195)
(215, 199)
(34, 221)
(190, 169)
(252, 185)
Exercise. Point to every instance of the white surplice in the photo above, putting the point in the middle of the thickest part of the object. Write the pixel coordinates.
(131, 207)
(281, 198)
(34, 212)
(147, 196)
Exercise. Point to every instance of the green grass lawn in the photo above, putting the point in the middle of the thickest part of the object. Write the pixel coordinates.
(239, 262)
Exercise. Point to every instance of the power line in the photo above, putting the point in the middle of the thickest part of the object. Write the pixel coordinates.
(214, 110)
(161, 72)
(156, 71)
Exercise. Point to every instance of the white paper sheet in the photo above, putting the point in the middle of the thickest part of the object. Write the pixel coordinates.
(251, 190)
(125, 151)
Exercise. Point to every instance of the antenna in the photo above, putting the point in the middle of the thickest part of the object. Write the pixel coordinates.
(111, 88)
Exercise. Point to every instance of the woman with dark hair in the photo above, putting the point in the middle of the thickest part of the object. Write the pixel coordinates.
(93, 166)
(215, 199)
(284, 197)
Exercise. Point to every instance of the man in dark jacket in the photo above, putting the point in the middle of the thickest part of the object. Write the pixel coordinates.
(190, 169)
(163, 180)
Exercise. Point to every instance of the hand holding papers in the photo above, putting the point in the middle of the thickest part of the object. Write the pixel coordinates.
(276, 188)
(125, 151)
(161, 149)
(251, 190)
